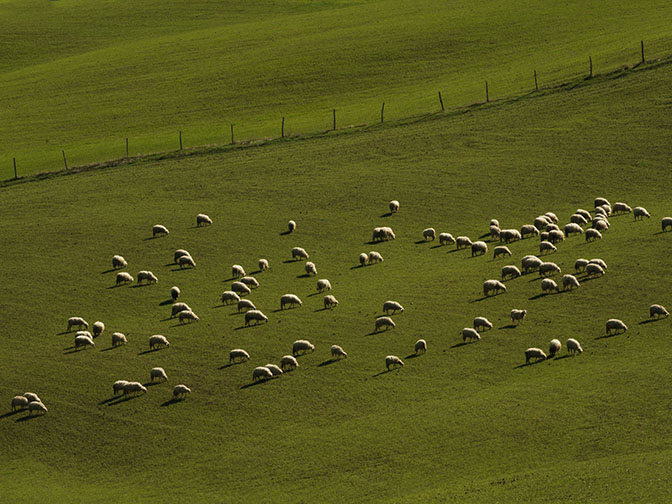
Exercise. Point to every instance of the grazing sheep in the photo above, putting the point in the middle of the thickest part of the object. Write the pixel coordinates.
(261, 373)
(299, 253)
(518, 315)
(601, 201)
(124, 278)
(37, 407)
(158, 229)
(534, 353)
(177, 308)
(363, 259)
(240, 288)
(186, 261)
(592, 235)
(469, 333)
(238, 354)
(607, 209)
(98, 328)
(118, 339)
(338, 352)
(181, 391)
(580, 264)
(275, 370)
(554, 347)
(555, 236)
(482, 323)
(118, 262)
(462, 242)
(552, 227)
(188, 316)
(548, 285)
(19, 402)
(179, 253)
(528, 229)
(510, 271)
(245, 304)
(77, 321)
(657, 311)
(600, 262)
(229, 297)
(573, 228)
(291, 226)
(620, 207)
(392, 306)
(541, 222)
(330, 302)
(393, 361)
(174, 292)
(494, 222)
(251, 282)
(255, 315)
(479, 248)
(569, 282)
(158, 373)
(32, 397)
(203, 220)
(546, 246)
(640, 212)
(446, 239)
(118, 387)
(583, 213)
(666, 222)
(493, 285)
(420, 347)
(385, 322)
(237, 271)
(543, 236)
(374, 257)
(548, 268)
(302, 346)
(158, 341)
(394, 206)
(263, 264)
(615, 326)
(552, 216)
(134, 388)
(383, 234)
(84, 333)
(323, 285)
(429, 234)
(288, 362)
(83, 341)
(510, 235)
(573, 346)
(291, 300)
(600, 212)
(310, 268)
(593, 269)
(147, 276)
(530, 263)
(495, 231)
(578, 219)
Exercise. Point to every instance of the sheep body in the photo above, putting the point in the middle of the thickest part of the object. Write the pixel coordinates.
(32, 397)
(446, 239)
(584, 213)
(501, 251)
(578, 219)
(392, 306)
(118, 262)
(291, 300)
(302, 346)
(640, 212)
(479, 248)
(573, 346)
(482, 323)
(616, 326)
(263, 264)
(147, 276)
(179, 253)
(549, 268)
(541, 222)
(530, 263)
(555, 236)
(495, 231)
(338, 352)
(238, 354)
(158, 373)
(261, 373)
(291, 226)
(429, 234)
(158, 340)
(528, 229)
(186, 260)
(124, 278)
(598, 261)
(510, 235)
(552, 216)
(554, 347)
(569, 282)
(666, 222)
(237, 271)
(593, 269)
(471, 334)
(174, 292)
(518, 315)
(592, 235)
(394, 206)
(188, 316)
(118, 339)
(534, 353)
(177, 308)
(19, 402)
(601, 201)
(548, 285)
(83, 341)
(393, 361)
(363, 259)
(251, 282)
(134, 388)
(37, 407)
(288, 362)
(330, 302)
(118, 387)
(573, 228)
(77, 321)
(462, 242)
(310, 268)
(383, 234)
(323, 285)
(620, 207)
(256, 316)
(299, 253)
(546, 246)
(580, 264)
(385, 322)
(374, 257)
(240, 288)
(180, 391)
(229, 297)
(493, 285)
(657, 311)
(203, 220)
(275, 370)
(98, 328)
(158, 229)
(420, 346)
(246, 304)
(510, 271)
(494, 222)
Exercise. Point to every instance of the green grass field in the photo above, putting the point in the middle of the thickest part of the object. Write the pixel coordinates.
(463, 422)
(83, 76)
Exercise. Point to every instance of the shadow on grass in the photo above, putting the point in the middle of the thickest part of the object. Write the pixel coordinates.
(230, 364)
(152, 383)
(137, 285)
(27, 417)
(65, 332)
(382, 373)
(70, 350)
(563, 357)
(151, 350)
(510, 326)
(605, 336)
(10, 413)
(233, 314)
(254, 384)
(420, 242)
(284, 233)
(320, 309)
(537, 296)
(327, 362)
(388, 214)
(478, 300)
(536, 279)
(305, 275)
(109, 348)
(529, 364)
(648, 321)
(357, 267)
(109, 400)
(245, 327)
(149, 238)
(256, 272)
(107, 271)
(412, 356)
(463, 343)
(169, 264)
(166, 302)
(289, 261)
(122, 399)
(170, 402)
(314, 294)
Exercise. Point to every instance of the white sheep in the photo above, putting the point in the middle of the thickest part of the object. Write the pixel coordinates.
(291, 226)
(543, 236)
(429, 234)
(501, 251)
(494, 222)
(569, 282)
(177, 308)
(528, 229)
(179, 253)
(599, 261)
(158, 341)
(620, 207)
(175, 292)
(549, 268)
(290, 299)
(240, 288)
(261, 373)
(446, 239)
(601, 201)
(186, 261)
(158, 229)
(383, 234)
(251, 282)
(330, 302)
(554, 347)
(493, 286)
(323, 285)
(181, 391)
(394, 206)
(640, 212)
(552, 227)
(203, 220)
(479, 248)
(237, 271)
(530, 263)
(657, 311)
(462, 242)
(510, 235)
(573, 228)
(584, 213)
(77, 321)
(534, 353)
(229, 297)
(310, 268)
(256, 316)
(573, 346)
(32, 397)
(84, 333)
(299, 253)
(124, 278)
(37, 407)
(593, 269)
(548, 285)
(666, 222)
(98, 328)
(578, 219)
(134, 389)
(363, 259)
(482, 323)
(288, 362)
(546, 246)
(471, 334)
(146, 276)
(275, 370)
(580, 264)
(420, 347)
(238, 354)
(302, 346)
(518, 315)
(118, 262)
(118, 387)
(245, 304)
(541, 222)
(510, 271)
(615, 326)
(118, 339)
(263, 264)
(338, 352)
(158, 373)
(384, 322)
(552, 216)
(375, 257)
(83, 341)
(555, 236)
(495, 231)
(19, 402)
(188, 316)
(392, 306)
(393, 361)
(592, 235)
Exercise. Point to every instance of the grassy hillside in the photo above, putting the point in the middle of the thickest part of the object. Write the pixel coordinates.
(83, 76)
(462, 422)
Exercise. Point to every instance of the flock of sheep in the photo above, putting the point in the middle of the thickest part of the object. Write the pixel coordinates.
(545, 226)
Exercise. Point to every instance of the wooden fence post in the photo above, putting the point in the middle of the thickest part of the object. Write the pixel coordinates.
(382, 113)
(282, 130)
(16, 176)
(232, 134)
(487, 94)
(441, 102)
(536, 85)
(65, 161)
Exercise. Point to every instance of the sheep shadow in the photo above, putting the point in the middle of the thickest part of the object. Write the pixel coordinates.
(388, 214)
(232, 279)
(113, 286)
(537, 296)
(233, 314)
(107, 271)
(245, 327)
(166, 302)
(381, 373)
(256, 272)
(327, 362)
(65, 332)
(122, 399)
(454, 250)
(314, 294)
(182, 269)
(608, 335)
(10, 413)
(170, 402)
(305, 275)
(357, 267)
(110, 348)
(412, 356)
(170, 264)
(463, 343)
(320, 309)
(109, 400)
(510, 326)
(70, 350)
(437, 246)
(151, 350)
(648, 321)
(563, 357)
(152, 383)
(420, 242)
(27, 417)
(530, 363)
(536, 279)
(137, 285)
(230, 364)
(478, 300)
(253, 384)
(289, 261)
(284, 233)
